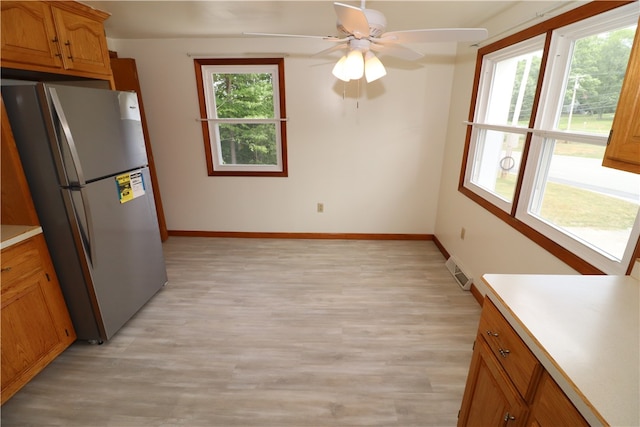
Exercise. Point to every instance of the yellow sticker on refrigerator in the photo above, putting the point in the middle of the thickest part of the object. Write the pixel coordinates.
(130, 185)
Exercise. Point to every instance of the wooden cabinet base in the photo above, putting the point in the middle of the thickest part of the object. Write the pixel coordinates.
(36, 326)
(508, 386)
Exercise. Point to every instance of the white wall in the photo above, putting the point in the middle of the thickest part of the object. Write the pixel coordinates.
(375, 161)
(489, 245)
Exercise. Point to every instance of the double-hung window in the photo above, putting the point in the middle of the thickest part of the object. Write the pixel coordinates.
(540, 121)
(243, 116)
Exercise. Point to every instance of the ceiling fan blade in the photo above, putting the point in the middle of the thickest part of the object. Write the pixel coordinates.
(329, 38)
(331, 49)
(352, 20)
(397, 50)
(434, 35)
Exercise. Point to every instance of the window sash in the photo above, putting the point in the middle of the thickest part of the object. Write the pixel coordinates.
(206, 69)
(580, 254)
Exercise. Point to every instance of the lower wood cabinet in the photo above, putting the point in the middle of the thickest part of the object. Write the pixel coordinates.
(490, 398)
(552, 408)
(36, 326)
(507, 385)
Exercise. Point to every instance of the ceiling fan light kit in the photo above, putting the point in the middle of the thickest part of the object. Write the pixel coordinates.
(354, 65)
(373, 68)
(363, 31)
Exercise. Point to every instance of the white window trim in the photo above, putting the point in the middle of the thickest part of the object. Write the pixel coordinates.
(212, 116)
(553, 84)
(562, 41)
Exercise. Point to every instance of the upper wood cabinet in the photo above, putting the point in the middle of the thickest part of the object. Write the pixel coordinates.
(61, 37)
(623, 150)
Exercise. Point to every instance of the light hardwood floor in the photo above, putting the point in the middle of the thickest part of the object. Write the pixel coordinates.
(269, 332)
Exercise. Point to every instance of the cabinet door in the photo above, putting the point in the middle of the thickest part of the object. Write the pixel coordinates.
(552, 408)
(490, 399)
(623, 150)
(82, 41)
(28, 34)
(36, 326)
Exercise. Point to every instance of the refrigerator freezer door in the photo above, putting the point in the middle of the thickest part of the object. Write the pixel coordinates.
(99, 131)
(126, 263)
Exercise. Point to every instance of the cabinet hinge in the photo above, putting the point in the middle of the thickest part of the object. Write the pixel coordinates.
(459, 413)
(66, 331)
(48, 278)
(473, 347)
(610, 135)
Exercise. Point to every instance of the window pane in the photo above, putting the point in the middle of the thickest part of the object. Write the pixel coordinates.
(575, 194)
(592, 87)
(512, 89)
(248, 144)
(246, 95)
(497, 162)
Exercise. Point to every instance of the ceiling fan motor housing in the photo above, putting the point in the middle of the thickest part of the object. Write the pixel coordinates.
(376, 20)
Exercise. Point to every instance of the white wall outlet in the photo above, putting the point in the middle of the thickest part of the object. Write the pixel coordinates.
(320, 207)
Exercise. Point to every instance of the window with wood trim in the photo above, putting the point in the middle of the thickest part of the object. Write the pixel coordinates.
(540, 117)
(242, 107)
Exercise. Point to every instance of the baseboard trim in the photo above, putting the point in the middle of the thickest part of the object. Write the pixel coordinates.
(474, 290)
(476, 294)
(335, 236)
(441, 247)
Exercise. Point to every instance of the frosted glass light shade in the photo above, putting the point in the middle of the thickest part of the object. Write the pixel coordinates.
(354, 64)
(373, 68)
(340, 69)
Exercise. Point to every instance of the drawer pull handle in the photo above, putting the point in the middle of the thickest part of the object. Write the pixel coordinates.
(504, 353)
(508, 417)
(5, 269)
(492, 334)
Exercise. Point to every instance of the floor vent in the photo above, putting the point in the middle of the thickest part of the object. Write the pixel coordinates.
(461, 277)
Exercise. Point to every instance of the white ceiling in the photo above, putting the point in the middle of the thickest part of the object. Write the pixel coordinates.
(177, 19)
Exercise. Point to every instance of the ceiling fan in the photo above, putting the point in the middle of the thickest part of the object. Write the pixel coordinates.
(363, 32)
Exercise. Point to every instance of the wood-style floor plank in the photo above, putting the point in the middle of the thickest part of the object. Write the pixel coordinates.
(270, 332)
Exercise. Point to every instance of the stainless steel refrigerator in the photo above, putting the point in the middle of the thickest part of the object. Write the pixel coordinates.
(84, 156)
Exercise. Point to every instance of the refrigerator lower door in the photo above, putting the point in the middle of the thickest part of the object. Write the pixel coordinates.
(122, 247)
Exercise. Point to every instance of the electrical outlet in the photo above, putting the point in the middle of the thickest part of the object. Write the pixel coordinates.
(462, 233)
(320, 207)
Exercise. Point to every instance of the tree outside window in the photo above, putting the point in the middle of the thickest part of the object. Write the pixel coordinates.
(545, 102)
(243, 116)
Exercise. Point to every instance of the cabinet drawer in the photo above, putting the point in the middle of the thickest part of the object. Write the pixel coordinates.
(19, 261)
(515, 357)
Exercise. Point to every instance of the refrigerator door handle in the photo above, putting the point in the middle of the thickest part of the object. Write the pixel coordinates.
(75, 158)
(78, 219)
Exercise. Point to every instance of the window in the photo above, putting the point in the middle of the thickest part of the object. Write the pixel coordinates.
(540, 121)
(242, 107)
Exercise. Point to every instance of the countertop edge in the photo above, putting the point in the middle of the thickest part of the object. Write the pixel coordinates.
(14, 234)
(591, 413)
(581, 403)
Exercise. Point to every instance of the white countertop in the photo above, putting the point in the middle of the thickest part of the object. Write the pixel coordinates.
(12, 234)
(585, 330)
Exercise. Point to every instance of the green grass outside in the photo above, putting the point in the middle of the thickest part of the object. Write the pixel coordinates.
(567, 206)
(587, 123)
(583, 123)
